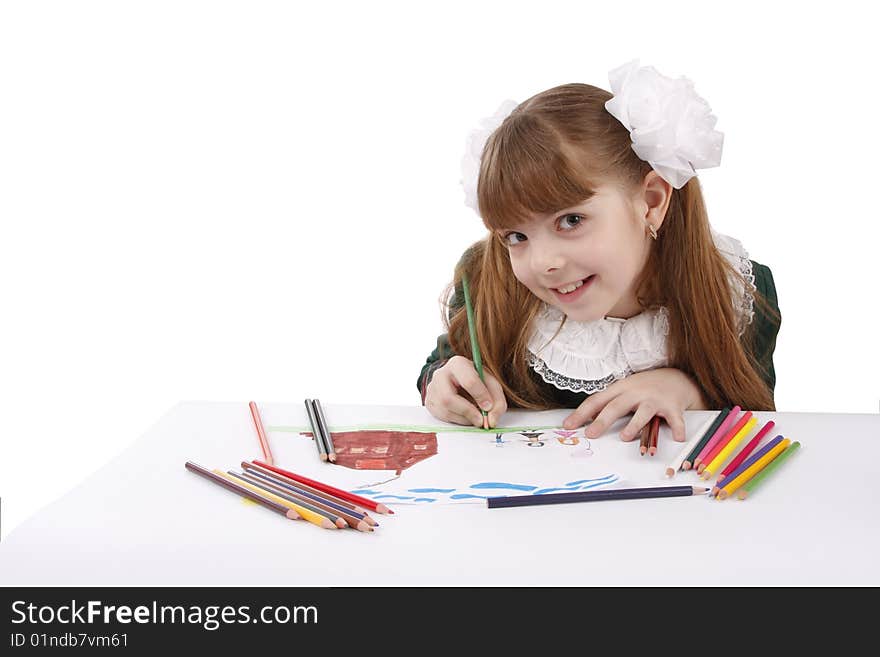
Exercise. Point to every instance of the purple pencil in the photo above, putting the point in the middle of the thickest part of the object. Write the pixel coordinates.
(745, 464)
(720, 432)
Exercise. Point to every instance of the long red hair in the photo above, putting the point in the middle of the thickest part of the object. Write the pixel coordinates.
(552, 152)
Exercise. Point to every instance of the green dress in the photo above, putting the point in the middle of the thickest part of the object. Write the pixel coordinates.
(766, 328)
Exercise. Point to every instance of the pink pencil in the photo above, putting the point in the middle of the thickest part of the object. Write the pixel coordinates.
(721, 444)
(748, 449)
(720, 432)
(261, 434)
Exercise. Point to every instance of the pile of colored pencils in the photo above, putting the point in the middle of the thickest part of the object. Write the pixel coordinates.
(712, 450)
(295, 496)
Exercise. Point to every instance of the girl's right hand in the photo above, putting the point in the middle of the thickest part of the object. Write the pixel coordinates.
(445, 401)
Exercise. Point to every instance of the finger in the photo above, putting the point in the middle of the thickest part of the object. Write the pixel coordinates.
(615, 409)
(465, 376)
(445, 403)
(587, 410)
(675, 420)
(640, 419)
(499, 403)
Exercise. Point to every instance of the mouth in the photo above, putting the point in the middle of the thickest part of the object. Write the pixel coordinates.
(571, 291)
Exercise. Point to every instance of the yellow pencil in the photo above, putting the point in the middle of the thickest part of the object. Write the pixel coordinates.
(754, 469)
(721, 457)
(306, 514)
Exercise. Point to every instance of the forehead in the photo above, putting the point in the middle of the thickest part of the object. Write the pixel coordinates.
(606, 197)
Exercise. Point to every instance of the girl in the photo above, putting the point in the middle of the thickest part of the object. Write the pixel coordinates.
(601, 285)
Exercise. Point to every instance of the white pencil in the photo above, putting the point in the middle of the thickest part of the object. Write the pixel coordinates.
(674, 466)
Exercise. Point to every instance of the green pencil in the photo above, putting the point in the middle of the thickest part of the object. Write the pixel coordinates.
(472, 330)
(770, 467)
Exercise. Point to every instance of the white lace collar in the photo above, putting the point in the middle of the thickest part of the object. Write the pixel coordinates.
(589, 356)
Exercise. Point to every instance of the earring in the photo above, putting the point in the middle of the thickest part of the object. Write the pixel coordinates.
(652, 230)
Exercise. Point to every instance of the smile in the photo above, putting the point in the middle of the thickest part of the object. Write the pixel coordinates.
(572, 291)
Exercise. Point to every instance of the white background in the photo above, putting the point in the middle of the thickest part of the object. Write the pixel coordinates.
(236, 201)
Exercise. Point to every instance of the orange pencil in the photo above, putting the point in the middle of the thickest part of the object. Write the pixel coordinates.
(261, 434)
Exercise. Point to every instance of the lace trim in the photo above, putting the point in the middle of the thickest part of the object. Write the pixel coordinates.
(747, 303)
(575, 385)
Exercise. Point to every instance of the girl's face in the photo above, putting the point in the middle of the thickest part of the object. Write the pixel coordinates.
(600, 245)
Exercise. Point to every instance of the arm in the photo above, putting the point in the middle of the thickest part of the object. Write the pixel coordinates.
(766, 326)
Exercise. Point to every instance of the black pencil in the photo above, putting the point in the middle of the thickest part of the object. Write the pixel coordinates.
(325, 430)
(316, 432)
(594, 496)
(689, 459)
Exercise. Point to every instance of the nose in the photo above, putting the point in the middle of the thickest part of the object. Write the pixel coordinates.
(546, 258)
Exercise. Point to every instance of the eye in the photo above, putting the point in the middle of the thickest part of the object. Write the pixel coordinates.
(570, 221)
(514, 238)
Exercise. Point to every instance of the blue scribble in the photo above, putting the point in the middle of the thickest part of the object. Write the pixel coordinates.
(430, 490)
(462, 496)
(585, 481)
(424, 499)
(365, 491)
(494, 484)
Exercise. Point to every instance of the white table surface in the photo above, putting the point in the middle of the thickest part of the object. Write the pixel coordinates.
(144, 520)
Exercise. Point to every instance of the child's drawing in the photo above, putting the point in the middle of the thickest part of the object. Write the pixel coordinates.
(454, 468)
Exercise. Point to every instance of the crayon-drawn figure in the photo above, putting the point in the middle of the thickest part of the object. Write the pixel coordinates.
(533, 438)
(499, 440)
(566, 437)
(382, 450)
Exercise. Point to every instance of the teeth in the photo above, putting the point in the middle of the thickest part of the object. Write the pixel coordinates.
(570, 288)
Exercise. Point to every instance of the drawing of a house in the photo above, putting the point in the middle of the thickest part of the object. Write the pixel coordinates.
(382, 450)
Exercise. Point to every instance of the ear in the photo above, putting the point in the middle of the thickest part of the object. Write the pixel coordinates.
(656, 194)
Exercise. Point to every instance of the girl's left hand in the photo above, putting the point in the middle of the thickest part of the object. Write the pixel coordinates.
(666, 392)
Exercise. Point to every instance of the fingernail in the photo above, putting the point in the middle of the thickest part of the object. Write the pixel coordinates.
(486, 404)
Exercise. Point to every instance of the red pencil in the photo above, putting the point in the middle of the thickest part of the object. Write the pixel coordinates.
(748, 449)
(327, 488)
(261, 433)
(655, 431)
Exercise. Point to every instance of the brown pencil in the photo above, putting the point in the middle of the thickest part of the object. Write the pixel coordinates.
(241, 490)
(277, 491)
(353, 508)
(644, 439)
(341, 518)
(654, 434)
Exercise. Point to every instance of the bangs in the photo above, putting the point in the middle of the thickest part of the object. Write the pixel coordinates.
(528, 169)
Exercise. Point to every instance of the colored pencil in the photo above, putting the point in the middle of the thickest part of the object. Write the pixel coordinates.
(644, 438)
(654, 435)
(720, 432)
(350, 518)
(344, 494)
(774, 465)
(304, 513)
(745, 465)
(343, 505)
(676, 463)
(325, 430)
(748, 449)
(594, 496)
(316, 432)
(719, 444)
(689, 459)
(724, 453)
(472, 331)
(241, 490)
(261, 433)
(754, 469)
(333, 515)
